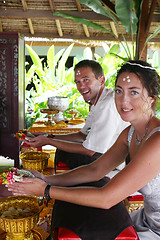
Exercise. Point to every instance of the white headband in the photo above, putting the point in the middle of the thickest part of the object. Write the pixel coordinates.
(137, 64)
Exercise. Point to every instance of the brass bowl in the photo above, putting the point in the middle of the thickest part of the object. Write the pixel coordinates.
(34, 160)
(19, 228)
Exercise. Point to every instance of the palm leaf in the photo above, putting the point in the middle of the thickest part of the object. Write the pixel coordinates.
(61, 65)
(87, 53)
(36, 60)
(50, 62)
(118, 56)
(82, 21)
(154, 34)
(127, 16)
(30, 73)
(50, 58)
(114, 48)
(138, 7)
(58, 56)
(98, 8)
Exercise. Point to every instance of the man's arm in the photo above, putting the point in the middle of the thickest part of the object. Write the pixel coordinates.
(73, 137)
(67, 146)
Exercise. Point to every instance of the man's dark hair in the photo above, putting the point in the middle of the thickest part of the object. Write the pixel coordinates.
(95, 66)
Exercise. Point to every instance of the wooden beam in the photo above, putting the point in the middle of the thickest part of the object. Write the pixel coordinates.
(24, 4)
(77, 43)
(114, 29)
(30, 26)
(51, 35)
(1, 28)
(105, 37)
(142, 31)
(78, 5)
(40, 14)
(150, 15)
(145, 22)
(58, 24)
(85, 28)
(51, 5)
(93, 53)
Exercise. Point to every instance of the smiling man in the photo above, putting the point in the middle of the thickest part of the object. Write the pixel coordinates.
(103, 124)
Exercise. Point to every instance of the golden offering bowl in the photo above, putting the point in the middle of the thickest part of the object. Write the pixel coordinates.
(19, 228)
(50, 121)
(73, 113)
(34, 160)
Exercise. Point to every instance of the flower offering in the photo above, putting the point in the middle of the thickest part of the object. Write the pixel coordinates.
(9, 176)
(21, 134)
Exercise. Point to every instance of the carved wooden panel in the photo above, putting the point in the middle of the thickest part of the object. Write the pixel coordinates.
(9, 94)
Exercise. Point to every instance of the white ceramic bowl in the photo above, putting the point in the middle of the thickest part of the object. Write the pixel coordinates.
(58, 103)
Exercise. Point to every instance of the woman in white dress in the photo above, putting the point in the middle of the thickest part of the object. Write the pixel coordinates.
(136, 91)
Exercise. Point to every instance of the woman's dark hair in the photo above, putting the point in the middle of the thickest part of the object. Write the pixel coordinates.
(146, 74)
(95, 66)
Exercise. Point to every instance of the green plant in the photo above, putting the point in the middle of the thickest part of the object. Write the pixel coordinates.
(50, 80)
(128, 12)
(47, 82)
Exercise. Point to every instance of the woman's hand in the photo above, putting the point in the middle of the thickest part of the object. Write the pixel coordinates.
(28, 186)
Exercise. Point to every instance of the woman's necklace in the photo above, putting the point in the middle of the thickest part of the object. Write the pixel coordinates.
(138, 142)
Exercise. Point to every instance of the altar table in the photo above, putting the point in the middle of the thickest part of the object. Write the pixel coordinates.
(40, 126)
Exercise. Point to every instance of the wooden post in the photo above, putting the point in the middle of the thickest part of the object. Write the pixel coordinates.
(142, 32)
(145, 22)
(12, 74)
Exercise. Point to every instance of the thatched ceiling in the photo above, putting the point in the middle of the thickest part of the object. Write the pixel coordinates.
(34, 18)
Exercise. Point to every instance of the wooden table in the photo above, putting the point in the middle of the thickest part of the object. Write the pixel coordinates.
(40, 126)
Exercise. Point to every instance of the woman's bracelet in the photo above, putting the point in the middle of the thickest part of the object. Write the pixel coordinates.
(46, 192)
